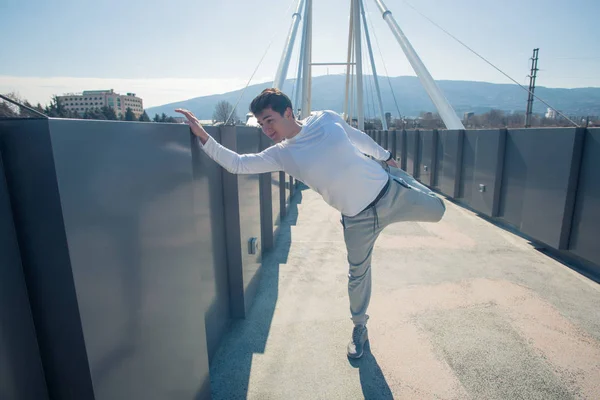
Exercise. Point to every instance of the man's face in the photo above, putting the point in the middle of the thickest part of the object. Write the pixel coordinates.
(275, 126)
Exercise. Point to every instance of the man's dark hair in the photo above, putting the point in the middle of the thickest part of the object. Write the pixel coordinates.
(271, 98)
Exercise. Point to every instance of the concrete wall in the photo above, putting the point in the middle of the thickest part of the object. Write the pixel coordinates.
(21, 373)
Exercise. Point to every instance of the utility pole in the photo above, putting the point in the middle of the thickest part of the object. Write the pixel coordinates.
(534, 70)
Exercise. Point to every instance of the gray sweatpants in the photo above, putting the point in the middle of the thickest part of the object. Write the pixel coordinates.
(405, 200)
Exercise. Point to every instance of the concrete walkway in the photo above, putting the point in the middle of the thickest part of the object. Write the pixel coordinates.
(460, 310)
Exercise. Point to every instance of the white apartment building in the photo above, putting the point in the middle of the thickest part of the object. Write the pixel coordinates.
(91, 99)
(551, 114)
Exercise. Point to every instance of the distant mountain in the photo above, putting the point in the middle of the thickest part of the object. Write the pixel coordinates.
(479, 97)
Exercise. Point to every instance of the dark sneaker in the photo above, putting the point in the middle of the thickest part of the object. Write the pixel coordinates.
(359, 338)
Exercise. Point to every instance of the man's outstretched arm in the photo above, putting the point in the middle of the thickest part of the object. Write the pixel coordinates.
(266, 161)
(365, 144)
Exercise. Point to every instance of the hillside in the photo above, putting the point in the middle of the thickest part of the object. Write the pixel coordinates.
(479, 97)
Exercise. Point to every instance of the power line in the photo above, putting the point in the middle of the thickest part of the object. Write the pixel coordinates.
(488, 62)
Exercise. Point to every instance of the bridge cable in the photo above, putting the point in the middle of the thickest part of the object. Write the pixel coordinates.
(295, 84)
(260, 62)
(371, 82)
(484, 59)
(382, 59)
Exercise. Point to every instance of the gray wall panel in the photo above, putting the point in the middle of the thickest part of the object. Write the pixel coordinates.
(439, 159)
(282, 194)
(483, 155)
(465, 187)
(412, 153)
(427, 152)
(401, 148)
(449, 155)
(21, 373)
(141, 255)
(266, 202)
(537, 179)
(210, 226)
(45, 257)
(292, 184)
(435, 163)
(274, 183)
(248, 141)
(276, 203)
(586, 218)
(392, 136)
(288, 191)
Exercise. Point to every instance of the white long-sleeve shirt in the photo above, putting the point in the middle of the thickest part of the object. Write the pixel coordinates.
(327, 154)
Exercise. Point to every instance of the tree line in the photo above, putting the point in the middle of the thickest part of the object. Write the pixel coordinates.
(489, 120)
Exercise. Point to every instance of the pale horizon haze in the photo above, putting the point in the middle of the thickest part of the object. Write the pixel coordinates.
(186, 49)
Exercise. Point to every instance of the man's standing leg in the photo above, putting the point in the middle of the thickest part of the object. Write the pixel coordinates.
(360, 233)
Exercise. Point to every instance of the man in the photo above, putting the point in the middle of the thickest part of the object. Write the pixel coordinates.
(328, 155)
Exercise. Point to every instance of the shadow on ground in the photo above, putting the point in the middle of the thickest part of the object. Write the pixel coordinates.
(372, 381)
(248, 337)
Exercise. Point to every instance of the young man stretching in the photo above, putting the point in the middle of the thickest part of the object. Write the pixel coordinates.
(328, 155)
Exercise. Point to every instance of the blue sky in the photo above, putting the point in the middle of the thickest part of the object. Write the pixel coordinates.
(185, 49)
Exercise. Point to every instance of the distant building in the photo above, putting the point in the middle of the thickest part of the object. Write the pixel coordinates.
(251, 120)
(388, 119)
(91, 99)
(551, 114)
